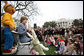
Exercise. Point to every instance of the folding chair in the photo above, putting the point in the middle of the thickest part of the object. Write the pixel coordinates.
(16, 35)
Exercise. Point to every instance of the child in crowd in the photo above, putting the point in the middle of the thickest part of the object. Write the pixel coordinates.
(48, 42)
(57, 43)
(52, 40)
(81, 47)
(62, 47)
(69, 49)
(74, 52)
(66, 41)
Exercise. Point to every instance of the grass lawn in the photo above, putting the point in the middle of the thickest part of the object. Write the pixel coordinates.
(50, 51)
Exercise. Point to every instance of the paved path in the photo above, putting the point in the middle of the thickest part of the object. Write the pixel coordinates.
(24, 51)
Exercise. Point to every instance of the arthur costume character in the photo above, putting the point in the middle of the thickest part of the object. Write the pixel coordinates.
(9, 25)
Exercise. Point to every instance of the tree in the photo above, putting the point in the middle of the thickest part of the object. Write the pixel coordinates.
(77, 22)
(23, 8)
(51, 24)
(38, 27)
(46, 24)
(17, 21)
(81, 22)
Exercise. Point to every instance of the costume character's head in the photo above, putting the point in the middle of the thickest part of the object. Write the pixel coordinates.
(9, 8)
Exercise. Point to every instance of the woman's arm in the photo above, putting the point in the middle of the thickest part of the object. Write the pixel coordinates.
(22, 30)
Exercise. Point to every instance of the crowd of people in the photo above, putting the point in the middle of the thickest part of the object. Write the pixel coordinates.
(67, 41)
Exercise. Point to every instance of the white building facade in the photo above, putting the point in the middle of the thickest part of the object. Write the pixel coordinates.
(64, 22)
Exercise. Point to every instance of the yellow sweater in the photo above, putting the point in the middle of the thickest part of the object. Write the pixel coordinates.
(7, 20)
